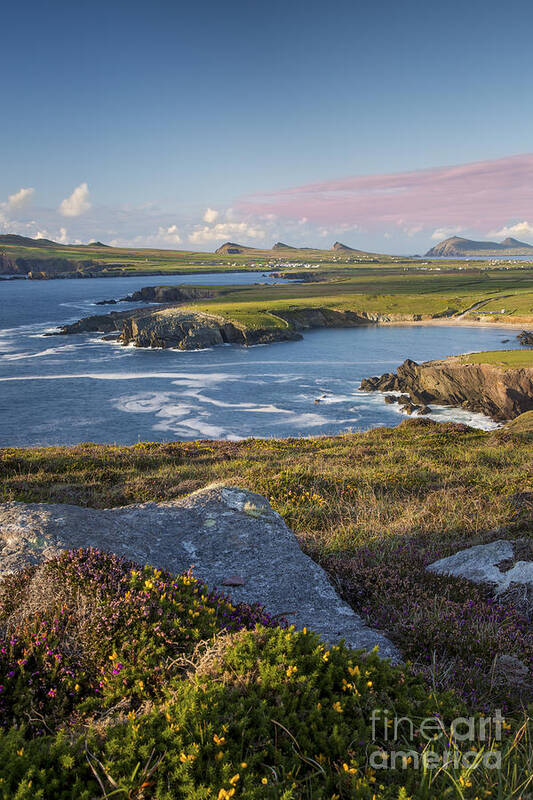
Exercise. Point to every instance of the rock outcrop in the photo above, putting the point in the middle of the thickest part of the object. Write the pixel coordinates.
(500, 393)
(187, 329)
(96, 323)
(301, 319)
(320, 317)
(504, 567)
(493, 564)
(232, 537)
(526, 338)
(164, 294)
(181, 329)
(193, 330)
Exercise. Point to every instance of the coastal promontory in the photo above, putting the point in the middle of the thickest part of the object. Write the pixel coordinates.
(498, 384)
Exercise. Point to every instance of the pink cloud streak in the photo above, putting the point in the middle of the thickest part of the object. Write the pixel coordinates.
(480, 195)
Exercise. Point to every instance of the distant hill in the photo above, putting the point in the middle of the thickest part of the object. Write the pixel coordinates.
(26, 241)
(97, 244)
(343, 248)
(281, 246)
(458, 246)
(230, 248)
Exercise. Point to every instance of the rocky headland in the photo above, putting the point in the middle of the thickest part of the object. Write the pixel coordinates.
(458, 246)
(500, 393)
(175, 328)
(172, 326)
(186, 329)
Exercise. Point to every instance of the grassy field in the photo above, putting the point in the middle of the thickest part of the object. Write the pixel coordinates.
(387, 285)
(145, 260)
(153, 260)
(506, 359)
(391, 292)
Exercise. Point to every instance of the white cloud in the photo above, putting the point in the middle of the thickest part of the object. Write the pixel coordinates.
(44, 233)
(20, 199)
(518, 230)
(169, 234)
(165, 235)
(210, 216)
(225, 230)
(445, 233)
(78, 202)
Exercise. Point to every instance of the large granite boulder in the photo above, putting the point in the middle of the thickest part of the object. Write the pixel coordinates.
(232, 537)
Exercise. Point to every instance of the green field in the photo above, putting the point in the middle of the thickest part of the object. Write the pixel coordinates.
(123, 260)
(364, 282)
(506, 359)
(392, 292)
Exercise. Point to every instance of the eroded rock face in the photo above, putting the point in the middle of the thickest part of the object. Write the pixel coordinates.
(500, 393)
(233, 538)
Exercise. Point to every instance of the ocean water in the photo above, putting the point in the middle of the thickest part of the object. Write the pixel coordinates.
(77, 388)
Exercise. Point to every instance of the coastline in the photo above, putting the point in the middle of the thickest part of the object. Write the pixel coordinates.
(463, 322)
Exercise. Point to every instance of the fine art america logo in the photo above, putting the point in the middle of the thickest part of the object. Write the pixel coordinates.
(468, 742)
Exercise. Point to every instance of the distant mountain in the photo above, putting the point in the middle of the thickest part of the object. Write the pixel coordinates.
(96, 244)
(26, 241)
(510, 242)
(344, 247)
(281, 246)
(231, 248)
(458, 246)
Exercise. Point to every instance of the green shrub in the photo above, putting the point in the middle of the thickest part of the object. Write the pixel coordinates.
(210, 701)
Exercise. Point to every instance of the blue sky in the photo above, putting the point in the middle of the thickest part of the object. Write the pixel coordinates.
(154, 113)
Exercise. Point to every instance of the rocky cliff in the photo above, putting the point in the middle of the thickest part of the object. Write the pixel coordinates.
(301, 319)
(500, 393)
(186, 329)
(171, 327)
(43, 268)
(96, 323)
(193, 330)
(164, 294)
